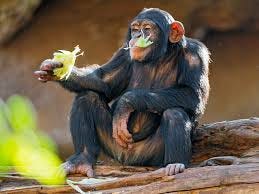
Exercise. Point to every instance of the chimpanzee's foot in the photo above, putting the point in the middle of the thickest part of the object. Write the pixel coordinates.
(84, 169)
(78, 164)
(172, 169)
(221, 160)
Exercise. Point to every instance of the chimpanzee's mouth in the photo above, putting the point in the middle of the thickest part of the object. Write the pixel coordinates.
(141, 42)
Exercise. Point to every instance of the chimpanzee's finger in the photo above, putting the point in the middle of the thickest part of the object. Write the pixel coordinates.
(123, 138)
(46, 65)
(42, 80)
(182, 168)
(40, 73)
(172, 170)
(121, 143)
(130, 146)
(56, 64)
(114, 129)
(65, 168)
(48, 77)
(125, 133)
(85, 169)
(49, 65)
(123, 130)
(177, 168)
(90, 173)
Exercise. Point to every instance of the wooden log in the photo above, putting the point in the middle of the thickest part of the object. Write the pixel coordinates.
(120, 171)
(238, 139)
(194, 179)
(235, 138)
(137, 179)
(100, 171)
(211, 179)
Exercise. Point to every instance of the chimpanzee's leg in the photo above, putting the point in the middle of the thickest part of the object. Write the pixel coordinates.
(176, 128)
(176, 131)
(91, 127)
(170, 146)
(88, 109)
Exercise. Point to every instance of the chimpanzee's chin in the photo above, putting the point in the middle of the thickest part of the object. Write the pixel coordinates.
(139, 60)
(137, 57)
(142, 62)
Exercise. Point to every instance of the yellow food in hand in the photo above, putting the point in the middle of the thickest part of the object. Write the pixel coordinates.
(68, 60)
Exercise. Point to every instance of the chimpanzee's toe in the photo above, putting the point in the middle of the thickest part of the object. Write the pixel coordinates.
(172, 169)
(84, 169)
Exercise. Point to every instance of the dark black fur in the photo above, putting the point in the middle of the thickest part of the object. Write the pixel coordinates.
(164, 109)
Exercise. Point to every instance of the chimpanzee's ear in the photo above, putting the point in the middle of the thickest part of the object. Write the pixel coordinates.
(176, 32)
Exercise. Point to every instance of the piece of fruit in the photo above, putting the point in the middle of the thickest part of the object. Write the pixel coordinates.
(68, 60)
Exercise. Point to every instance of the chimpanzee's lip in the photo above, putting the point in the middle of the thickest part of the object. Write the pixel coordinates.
(140, 48)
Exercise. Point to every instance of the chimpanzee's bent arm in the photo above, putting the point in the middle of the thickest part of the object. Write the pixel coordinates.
(158, 101)
(190, 92)
(109, 79)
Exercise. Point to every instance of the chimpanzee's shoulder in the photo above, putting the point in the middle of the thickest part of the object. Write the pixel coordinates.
(195, 47)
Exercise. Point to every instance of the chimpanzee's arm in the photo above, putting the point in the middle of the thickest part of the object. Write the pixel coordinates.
(110, 79)
(190, 92)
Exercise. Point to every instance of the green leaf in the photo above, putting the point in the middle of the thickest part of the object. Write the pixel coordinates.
(143, 42)
(37, 162)
(21, 114)
(46, 142)
(6, 152)
(21, 145)
(4, 126)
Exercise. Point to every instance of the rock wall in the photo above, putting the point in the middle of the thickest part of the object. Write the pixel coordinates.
(99, 27)
(14, 14)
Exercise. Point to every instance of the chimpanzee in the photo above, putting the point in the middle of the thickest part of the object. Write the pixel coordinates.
(141, 106)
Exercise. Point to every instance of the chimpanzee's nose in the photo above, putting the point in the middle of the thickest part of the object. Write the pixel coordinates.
(138, 34)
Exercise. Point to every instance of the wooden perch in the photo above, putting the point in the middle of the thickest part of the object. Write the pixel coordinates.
(230, 138)
(213, 179)
(100, 170)
(237, 140)
(136, 179)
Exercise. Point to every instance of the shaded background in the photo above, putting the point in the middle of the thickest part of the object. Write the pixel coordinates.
(31, 30)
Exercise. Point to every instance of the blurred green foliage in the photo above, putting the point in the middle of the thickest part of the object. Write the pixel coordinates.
(23, 146)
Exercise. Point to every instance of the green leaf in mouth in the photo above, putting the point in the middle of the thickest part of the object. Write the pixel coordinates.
(143, 42)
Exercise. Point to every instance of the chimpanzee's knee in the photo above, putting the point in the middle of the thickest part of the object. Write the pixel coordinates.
(88, 97)
(174, 114)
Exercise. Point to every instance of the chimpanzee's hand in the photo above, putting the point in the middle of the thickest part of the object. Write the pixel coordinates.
(46, 70)
(120, 131)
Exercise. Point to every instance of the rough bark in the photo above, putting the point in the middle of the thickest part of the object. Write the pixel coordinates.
(228, 138)
(238, 139)
(231, 178)
(198, 180)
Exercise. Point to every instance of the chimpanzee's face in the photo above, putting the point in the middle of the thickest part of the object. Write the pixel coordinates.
(144, 28)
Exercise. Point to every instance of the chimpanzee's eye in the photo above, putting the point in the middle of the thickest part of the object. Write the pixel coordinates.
(134, 29)
(147, 27)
